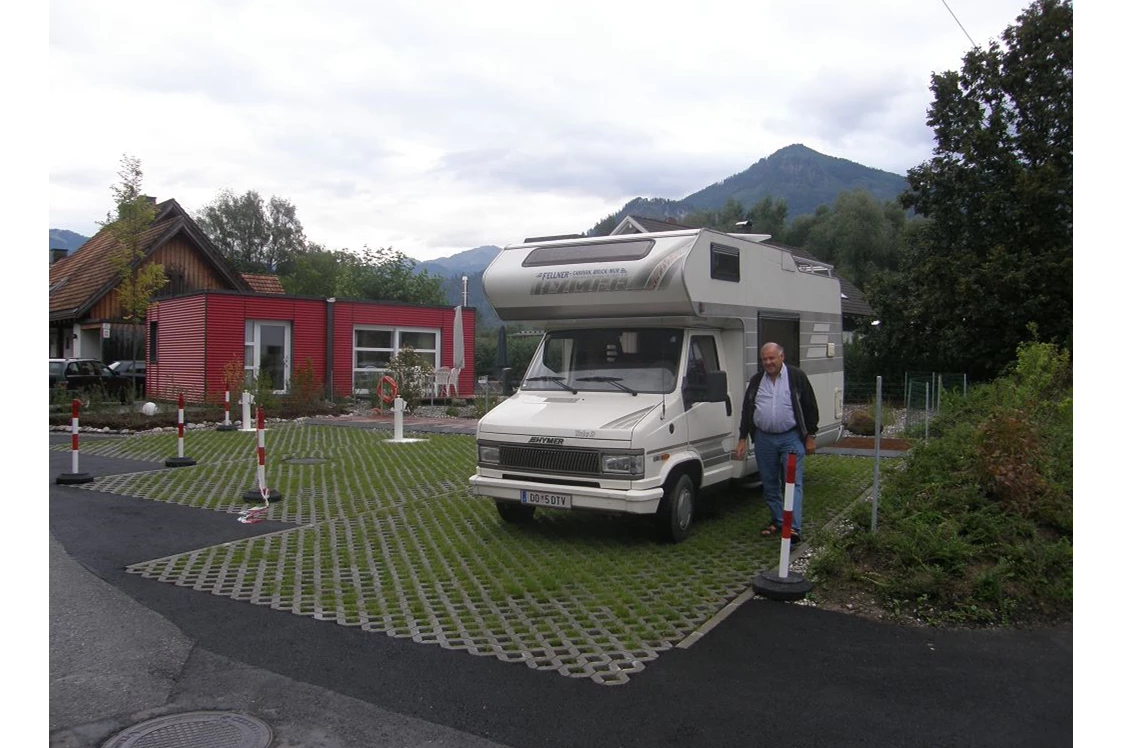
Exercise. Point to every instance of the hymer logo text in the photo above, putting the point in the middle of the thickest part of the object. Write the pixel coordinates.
(546, 440)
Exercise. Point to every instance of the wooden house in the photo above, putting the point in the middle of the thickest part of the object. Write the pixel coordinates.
(86, 319)
(209, 320)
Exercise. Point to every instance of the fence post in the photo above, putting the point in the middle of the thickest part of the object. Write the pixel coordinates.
(876, 456)
(908, 402)
(926, 401)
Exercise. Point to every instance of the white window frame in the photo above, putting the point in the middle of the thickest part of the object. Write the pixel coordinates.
(252, 350)
(392, 351)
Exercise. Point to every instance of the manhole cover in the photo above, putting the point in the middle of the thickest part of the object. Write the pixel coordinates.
(305, 460)
(195, 730)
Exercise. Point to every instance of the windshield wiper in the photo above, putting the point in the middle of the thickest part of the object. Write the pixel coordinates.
(555, 379)
(611, 380)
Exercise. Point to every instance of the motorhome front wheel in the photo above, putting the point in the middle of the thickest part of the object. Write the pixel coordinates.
(676, 510)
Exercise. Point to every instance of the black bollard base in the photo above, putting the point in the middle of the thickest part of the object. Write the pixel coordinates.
(179, 462)
(254, 495)
(771, 585)
(226, 427)
(71, 479)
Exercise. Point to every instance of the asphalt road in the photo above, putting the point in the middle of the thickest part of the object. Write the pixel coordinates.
(125, 649)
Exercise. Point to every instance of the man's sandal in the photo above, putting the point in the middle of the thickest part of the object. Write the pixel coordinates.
(770, 531)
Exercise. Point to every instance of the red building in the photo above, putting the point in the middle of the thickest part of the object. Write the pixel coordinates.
(193, 338)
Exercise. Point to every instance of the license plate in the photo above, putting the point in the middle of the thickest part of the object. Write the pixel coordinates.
(552, 500)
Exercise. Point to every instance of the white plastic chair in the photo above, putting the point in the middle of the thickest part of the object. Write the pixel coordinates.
(442, 379)
(453, 382)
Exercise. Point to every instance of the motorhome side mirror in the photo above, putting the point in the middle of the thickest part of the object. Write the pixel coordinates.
(713, 389)
(717, 387)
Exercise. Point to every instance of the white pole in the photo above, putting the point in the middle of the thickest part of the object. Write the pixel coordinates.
(876, 456)
(926, 401)
(399, 407)
(247, 421)
(464, 290)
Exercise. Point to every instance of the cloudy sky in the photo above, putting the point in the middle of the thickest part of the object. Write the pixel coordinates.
(435, 127)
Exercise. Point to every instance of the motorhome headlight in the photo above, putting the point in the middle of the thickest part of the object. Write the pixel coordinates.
(487, 454)
(624, 464)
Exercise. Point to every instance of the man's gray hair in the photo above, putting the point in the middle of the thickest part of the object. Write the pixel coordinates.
(779, 348)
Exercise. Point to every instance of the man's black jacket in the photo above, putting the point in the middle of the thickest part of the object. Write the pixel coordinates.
(803, 404)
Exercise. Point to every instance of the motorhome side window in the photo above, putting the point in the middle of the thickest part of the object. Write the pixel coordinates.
(581, 253)
(615, 359)
(725, 263)
(703, 359)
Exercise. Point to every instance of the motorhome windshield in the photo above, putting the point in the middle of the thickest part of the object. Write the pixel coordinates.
(619, 359)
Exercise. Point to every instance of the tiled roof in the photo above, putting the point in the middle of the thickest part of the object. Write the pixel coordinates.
(263, 283)
(853, 300)
(658, 224)
(630, 224)
(80, 279)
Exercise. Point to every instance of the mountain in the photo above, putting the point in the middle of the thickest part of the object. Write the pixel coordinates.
(68, 240)
(462, 263)
(804, 178)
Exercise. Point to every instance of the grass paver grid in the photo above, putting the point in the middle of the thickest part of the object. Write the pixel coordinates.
(392, 542)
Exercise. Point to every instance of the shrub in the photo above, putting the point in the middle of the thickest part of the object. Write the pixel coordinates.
(413, 375)
(306, 386)
(862, 422)
(977, 526)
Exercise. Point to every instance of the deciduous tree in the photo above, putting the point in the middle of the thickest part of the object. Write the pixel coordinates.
(253, 235)
(128, 224)
(994, 257)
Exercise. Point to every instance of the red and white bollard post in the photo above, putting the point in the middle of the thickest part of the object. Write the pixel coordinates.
(179, 460)
(782, 585)
(226, 425)
(262, 492)
(74, 477)
(789, 508)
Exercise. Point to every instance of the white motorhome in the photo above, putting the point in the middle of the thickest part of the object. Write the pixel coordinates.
(632, 401)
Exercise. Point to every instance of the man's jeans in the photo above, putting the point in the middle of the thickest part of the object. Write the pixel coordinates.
(772, 462)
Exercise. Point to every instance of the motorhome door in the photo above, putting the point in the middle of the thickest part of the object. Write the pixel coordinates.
(709, 418)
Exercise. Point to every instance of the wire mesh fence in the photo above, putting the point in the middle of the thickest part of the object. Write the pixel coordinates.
(918, 397)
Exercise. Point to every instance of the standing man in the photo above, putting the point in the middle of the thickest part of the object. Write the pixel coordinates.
(781, 416)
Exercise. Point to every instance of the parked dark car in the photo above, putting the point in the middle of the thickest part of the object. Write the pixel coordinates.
(88, 375)
(129, 369)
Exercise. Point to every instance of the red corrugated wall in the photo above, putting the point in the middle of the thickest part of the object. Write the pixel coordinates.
(226, 331)
(351, 313)
(180, 349)
(199, 335)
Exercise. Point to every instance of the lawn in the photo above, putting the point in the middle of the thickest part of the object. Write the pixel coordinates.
(386, 537)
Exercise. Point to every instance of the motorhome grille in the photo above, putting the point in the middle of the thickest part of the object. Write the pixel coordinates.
(553, 460)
